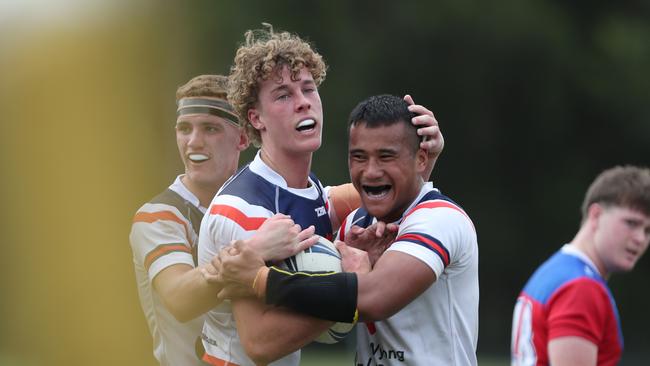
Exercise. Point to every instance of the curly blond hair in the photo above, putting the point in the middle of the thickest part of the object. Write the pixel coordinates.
(262, 56)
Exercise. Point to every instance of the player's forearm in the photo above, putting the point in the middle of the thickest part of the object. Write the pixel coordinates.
(324, 296)
(188, 295)
(336, 297)
(269, 334)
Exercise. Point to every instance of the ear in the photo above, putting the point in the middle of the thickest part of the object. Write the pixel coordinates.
(255, 120)
(421, 160)
(243, 139)
(593, 214)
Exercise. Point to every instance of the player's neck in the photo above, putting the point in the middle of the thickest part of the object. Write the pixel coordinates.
(294, 168)
(584, 242)
(203, 193)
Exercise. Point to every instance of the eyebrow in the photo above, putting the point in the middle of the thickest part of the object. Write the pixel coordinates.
(285, 87)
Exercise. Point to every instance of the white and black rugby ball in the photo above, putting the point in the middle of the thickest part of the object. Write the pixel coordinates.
(321, 257)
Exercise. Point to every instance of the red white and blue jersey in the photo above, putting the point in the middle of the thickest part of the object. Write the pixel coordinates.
(439, 327)
(244, 202)
(566, 296)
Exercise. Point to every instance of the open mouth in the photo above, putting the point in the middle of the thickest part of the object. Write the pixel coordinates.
(306, 125)
(197, 158)
(377, 191)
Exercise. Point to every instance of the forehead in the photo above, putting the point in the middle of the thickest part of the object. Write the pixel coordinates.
(282, 76)
(628, 212)
(392, 137)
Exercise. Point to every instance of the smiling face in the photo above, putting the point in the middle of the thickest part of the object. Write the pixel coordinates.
(289, 114)
(385, 169)
(620, 237)
(209, 147)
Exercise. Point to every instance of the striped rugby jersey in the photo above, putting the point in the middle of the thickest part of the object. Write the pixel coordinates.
(440, 327)
(244, 202)
(566, 296)
(164, 233)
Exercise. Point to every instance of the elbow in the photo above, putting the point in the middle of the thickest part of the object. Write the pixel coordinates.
(259, 352)
(375, 313)
(180, 313)
(374, 310)
(182, 318)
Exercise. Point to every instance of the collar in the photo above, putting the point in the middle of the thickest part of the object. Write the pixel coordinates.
(187, 195)
(259, 167)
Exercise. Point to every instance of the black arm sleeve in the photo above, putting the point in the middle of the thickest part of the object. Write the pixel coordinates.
(325, 295)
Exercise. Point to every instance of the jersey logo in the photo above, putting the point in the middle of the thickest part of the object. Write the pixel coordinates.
(320, 211)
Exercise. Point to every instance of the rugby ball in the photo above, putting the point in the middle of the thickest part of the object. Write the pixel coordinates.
(321, 257)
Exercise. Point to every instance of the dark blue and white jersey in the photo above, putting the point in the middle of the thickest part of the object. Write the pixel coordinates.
(240, 207)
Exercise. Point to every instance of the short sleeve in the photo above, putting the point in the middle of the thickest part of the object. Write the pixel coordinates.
(161, 237)
(581, 309)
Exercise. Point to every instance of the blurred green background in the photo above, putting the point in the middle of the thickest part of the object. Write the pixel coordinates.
(534, 98)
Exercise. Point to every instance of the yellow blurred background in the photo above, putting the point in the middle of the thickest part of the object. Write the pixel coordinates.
(87, 108)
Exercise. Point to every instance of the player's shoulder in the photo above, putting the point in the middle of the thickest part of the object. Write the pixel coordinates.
(562, 271)
(437, 210)
(167, 206)
(152, 212)
(249, 188)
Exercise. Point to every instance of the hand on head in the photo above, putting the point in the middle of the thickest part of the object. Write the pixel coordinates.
(433, 140)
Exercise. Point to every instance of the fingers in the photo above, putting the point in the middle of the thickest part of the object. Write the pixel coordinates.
(306, 239)
(408, 99)
(307, 243)
(421, 111)
(355, 231)
(340, 246)
(216, 262)
(392, 228)
(210, 277)
(279, 216)
(433, 145)
(307, 233)
(238, 246)
(379, 229)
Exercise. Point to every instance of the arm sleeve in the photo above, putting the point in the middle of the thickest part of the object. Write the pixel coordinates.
(438, 236)
(228, 218)
(579, 309)
(161, 237)
(324, 295)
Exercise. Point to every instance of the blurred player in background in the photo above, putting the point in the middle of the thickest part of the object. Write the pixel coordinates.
(165, 229)
(566, 314)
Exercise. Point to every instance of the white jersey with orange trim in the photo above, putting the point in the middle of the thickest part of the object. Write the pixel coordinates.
(164, 233)
(250, 197)
(439, 327)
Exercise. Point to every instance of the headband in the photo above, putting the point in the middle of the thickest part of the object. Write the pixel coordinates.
(215, 107)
